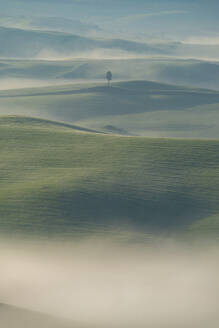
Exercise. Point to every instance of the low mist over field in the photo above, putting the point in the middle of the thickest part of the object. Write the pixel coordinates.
(19, 83)
(105, 283)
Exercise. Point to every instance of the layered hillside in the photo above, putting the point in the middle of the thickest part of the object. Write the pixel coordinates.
(55, 178)
(135, 107)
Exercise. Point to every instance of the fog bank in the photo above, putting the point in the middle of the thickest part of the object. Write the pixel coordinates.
(105, 284)
(22, 83)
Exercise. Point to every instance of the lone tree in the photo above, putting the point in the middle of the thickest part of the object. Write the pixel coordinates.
(109, 77)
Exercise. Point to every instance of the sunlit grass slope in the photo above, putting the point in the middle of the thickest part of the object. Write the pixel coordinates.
(136, 107)
(55, 178)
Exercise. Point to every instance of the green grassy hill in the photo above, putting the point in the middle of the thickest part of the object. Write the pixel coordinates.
(55, 178)
(137, 107)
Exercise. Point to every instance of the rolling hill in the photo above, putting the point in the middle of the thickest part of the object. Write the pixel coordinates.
(27, 43)
(193, 73)
(21, 43)
(57, 179)
(54, 23)
(137, 107)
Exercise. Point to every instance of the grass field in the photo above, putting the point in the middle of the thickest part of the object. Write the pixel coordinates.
(136, 107)
(55, 178)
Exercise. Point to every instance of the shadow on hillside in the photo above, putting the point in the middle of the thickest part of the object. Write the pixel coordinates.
(126, 98)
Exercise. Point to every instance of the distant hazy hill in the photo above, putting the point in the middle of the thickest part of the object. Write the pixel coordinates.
(17, 43)
(168, 19)
(27, 43)
(60, 24)
(56, 179)
(180, 72)
(137, 107)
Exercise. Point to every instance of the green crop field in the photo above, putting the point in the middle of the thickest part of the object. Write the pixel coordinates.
(56, 178)
(134, 108)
